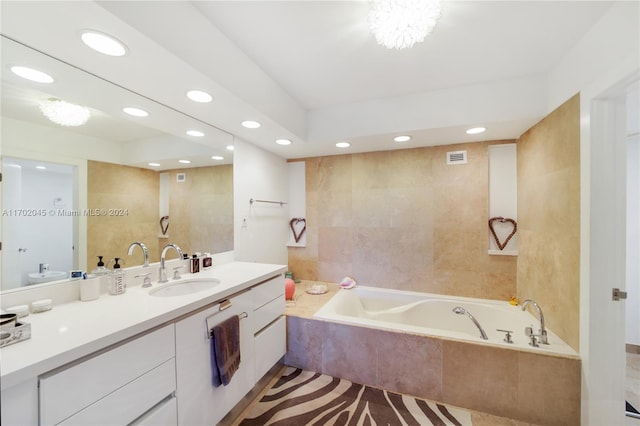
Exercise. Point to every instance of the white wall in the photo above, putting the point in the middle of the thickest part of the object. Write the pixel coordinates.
(633, 217)
(613, 39)
(261, 229)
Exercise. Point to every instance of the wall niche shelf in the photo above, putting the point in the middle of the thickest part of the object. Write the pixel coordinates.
(503, 198)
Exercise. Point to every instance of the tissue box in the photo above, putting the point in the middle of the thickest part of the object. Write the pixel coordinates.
(9, 336)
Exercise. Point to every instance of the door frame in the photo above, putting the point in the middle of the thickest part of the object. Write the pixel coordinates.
(603, 236)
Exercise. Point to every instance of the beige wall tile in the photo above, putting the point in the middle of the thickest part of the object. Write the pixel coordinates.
(201, 211)
(548, 268)
(403, 219)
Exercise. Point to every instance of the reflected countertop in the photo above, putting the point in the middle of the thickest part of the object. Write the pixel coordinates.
(76, 329)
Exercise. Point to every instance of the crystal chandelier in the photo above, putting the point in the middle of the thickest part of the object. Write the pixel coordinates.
(64, 113)
(399, 24)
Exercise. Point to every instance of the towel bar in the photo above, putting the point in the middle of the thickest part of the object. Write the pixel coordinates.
(207, 330)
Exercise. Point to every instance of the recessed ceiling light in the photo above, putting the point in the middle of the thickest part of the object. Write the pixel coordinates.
(217, 157)
(343, 144)
(283, 141)
(184, 161)
(403, 138)
(476, 130)
(154, 164)
(41, 168)
(196, 133)
(250, 124)
(103, 43)
(65, 113)
(136, 112)
(230, 147)
(199, 96)
(31, 74)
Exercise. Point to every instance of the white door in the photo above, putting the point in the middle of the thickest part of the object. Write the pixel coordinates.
(605, 356)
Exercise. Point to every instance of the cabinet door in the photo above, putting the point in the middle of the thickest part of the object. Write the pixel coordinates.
(199, 403)
(271, 344)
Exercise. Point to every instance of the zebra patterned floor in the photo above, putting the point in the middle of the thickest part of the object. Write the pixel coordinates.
(301, 398)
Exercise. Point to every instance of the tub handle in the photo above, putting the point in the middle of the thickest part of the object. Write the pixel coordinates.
(507, 337)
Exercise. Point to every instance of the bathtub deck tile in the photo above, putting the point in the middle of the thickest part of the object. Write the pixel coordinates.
(411, 364)
(304, 343)
(351, 353)
(549, 389)
(481, 378)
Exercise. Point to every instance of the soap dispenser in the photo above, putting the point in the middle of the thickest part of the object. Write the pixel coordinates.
(100, 269)
(118, 284)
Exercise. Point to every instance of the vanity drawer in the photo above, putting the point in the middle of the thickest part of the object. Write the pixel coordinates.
(271, 345)
(65, 392)
(131, 401)
(267, 291)
(268, 313)
(165, 413)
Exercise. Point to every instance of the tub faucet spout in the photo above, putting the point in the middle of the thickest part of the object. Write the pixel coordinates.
(543, 330)
(461, 311)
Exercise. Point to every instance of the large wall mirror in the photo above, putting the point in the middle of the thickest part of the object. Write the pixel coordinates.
(71, 193)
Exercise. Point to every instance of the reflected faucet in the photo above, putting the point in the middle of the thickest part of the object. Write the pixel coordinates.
(543, 330)
(162, 276)
(461, 311)
(145, 252)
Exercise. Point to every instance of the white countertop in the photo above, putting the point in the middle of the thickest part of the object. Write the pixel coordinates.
(72, 330)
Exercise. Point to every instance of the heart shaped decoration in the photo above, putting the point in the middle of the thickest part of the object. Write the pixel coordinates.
(502, 245)
(164, 224)
(295, 227)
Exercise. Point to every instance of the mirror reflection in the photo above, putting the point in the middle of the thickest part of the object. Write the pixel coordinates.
(74, 192)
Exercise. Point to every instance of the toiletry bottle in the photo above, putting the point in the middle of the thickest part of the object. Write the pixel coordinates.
(207, 261)
(195, 264)
(100, 269)
(118, 285)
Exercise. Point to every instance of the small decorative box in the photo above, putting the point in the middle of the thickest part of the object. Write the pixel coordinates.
(9, 336)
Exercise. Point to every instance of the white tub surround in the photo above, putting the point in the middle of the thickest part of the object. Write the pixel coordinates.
(432, 315)
(76, 331)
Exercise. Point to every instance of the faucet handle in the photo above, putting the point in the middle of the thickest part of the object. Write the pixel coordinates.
(507, 337)
(147, 279)
(176, 272)
(534, 337)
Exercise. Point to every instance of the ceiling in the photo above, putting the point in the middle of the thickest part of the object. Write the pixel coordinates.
(311, 72)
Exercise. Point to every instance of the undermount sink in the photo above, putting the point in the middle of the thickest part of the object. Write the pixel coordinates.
(181, 288)
(37, 277)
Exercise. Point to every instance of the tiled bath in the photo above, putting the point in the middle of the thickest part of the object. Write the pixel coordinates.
(535, 388)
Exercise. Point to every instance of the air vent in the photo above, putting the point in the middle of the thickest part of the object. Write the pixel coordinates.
(456, 157)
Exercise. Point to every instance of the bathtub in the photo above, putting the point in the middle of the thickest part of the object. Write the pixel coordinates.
(433, 315)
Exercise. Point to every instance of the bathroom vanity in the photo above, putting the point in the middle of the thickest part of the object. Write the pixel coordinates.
(142, 358)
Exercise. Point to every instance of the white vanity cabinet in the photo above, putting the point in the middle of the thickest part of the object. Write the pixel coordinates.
(269, 324)
(135, 380)
(262, 344)
(199, 402)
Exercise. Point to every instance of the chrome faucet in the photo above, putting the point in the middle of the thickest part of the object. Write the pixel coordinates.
(543, 330)
(162, 275)
(42, 268)
(461, 311)
(145, 252)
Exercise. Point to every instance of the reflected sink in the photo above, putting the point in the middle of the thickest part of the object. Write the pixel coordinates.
(181, 288)
(37, 278)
